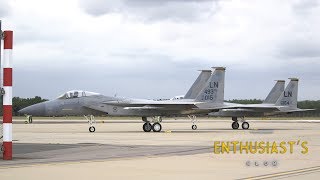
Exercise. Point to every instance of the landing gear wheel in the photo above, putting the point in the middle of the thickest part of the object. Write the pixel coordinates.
(245, 125)
(194, 127)
(235, 125)
(147, 127)
(156, 127)
(92, 129)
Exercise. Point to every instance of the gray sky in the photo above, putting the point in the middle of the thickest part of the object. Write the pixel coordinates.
(152, 48)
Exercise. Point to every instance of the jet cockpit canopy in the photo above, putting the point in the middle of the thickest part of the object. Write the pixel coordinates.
(76, 94)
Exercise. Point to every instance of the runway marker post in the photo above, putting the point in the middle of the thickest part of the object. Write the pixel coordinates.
(7, 37)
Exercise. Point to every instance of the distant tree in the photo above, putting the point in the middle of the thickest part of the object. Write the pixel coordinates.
(20, 103)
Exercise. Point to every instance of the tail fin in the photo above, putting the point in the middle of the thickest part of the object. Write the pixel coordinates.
(275, 92)
(198, 85)
(289, 95)
(213, 91)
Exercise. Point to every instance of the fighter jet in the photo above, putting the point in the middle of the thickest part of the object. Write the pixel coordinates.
(272, 98)
(278, 101)
(285, 104)
(209, 99)
(89, 104)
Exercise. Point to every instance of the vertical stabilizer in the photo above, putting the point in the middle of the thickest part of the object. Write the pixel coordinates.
(213, 91)
(198, 85)
(275, 92)
(289, 95)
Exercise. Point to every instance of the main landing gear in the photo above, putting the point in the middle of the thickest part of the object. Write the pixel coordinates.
(235, 124)
(193, 119)
(92, 123)
(155, 127)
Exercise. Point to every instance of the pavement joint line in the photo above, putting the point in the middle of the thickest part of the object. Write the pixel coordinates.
(116, 158)
(71, 162)
(285, 173)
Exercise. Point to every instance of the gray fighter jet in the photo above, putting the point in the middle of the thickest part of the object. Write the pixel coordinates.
(285, 104)
(278, 101)
(89, 104)
(272, 98)
(209, 99)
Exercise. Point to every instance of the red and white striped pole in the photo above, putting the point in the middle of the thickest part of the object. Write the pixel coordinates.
(7, 97)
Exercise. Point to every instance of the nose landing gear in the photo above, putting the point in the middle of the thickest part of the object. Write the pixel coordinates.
(92, 123)
(193, 119)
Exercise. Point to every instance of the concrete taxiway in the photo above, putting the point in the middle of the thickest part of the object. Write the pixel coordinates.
(119, 149)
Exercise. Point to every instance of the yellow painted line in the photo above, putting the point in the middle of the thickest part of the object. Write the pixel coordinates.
(286, 173)
(168, 131)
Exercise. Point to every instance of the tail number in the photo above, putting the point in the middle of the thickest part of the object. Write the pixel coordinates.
(208, 91)
(284, 103)
(207, 97)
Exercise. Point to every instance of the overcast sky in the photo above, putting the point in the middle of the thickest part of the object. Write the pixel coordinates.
(153, 48)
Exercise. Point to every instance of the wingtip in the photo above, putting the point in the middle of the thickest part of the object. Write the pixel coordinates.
(205, 70)
(219, 68)
(294, 79)
(280, 80)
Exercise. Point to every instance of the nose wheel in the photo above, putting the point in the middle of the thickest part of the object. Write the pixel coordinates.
(92, 129)
(193, 119)
(91, 122)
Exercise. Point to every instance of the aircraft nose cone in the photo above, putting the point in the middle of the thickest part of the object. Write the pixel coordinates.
(34, 110)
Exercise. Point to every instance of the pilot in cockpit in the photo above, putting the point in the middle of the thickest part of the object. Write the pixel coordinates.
(76, 94)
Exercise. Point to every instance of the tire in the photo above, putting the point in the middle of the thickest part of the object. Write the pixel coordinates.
(194, 127)
(92, 129)
(147, 127)
(245, 125)
(156, 127)
(235, 125)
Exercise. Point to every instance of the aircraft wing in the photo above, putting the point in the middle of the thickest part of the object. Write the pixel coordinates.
(134, 103)
(143, 105)
(251, 107)
(265, 107)
(299, 110)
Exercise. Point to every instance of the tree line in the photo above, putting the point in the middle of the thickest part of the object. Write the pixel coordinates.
(20, 103)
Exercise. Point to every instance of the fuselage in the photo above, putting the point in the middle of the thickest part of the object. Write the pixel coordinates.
(97, 105)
